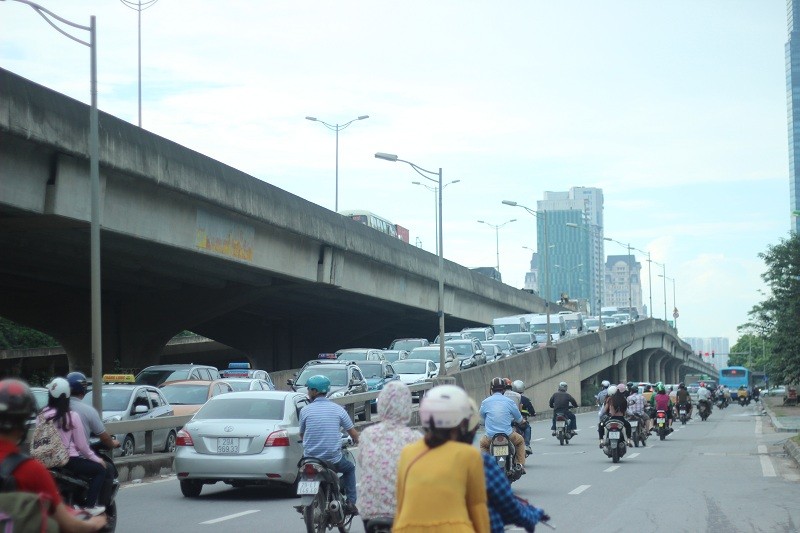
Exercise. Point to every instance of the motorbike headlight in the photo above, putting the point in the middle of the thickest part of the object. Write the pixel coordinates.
(337, 394)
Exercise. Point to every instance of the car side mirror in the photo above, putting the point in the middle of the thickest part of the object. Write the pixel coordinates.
(140, 409)
(479, 352)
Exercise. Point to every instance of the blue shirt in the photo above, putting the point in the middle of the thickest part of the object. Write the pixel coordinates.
(504, 506)
(320, 423)
(498, 412)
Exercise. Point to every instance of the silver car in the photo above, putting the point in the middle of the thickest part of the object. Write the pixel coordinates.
(243, 384)
(242, 438)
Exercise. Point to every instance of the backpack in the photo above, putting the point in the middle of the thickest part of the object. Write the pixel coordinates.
(21, 512)
(46, 444)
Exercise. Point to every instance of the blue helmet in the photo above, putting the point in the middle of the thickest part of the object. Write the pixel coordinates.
(77, 382)
(319, 383)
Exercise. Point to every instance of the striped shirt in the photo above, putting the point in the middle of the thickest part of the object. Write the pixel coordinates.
(320, 423)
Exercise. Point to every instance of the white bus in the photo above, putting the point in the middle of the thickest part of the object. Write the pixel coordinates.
(510, 324)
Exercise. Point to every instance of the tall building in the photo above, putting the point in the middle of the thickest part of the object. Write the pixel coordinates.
(717, 349)
(623, 282)
(532, 276)
(575, 236)
(793, 105)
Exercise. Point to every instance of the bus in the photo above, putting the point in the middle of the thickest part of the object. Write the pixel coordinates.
(510, 324)
(379, 223)
(734, 377)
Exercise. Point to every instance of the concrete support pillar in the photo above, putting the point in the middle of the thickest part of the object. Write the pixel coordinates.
(646, 375)
(621, 371)
(662, 368)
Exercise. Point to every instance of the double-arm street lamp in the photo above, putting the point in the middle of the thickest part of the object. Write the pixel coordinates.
(497, 236)
(674, 305)
(439, 245)
(337, 128)
(663, 275)
(435, 204)
(139, 6)
(546, 248)
(94, 181)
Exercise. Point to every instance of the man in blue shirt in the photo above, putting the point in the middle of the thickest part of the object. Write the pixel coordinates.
(321, 422)
(498, 413)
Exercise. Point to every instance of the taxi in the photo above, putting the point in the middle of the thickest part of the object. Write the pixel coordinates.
(124, 399)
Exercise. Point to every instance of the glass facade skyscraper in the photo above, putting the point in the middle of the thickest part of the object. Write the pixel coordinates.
(793, 104)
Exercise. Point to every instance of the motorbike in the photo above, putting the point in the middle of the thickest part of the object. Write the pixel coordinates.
(722, 401)
(504, 452)
(638, 430)
(744, 400)
(614, 439)
(661, 424)
(704, 408)
(683, 415)
(74, 488)
(519, 428)
(563, 434)
(322, 499)
(379, 524)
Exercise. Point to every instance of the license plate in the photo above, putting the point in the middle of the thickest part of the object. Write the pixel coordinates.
(634, 423)
(227, 445)
(561, 423)
(660, 421)
(613, 434)
(307, 488)
(500, 451)
(683, 412)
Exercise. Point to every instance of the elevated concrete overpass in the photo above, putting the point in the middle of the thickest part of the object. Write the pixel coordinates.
(188, 243)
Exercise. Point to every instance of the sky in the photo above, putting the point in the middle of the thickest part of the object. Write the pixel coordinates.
(677, 110)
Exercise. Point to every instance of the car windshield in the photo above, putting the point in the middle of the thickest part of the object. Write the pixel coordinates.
(371, 370)
(353, 356)
(591, 322)
(338, 376)
(391, 355)
(406, 344)
(157, 377)
(410, 367)
(462, 349)
(519, 338)
(238, 385)
(431, 354)
(180, 394)
(242, 409)
(113, 399)
(479, 334)
(490, 349)
(500, 336)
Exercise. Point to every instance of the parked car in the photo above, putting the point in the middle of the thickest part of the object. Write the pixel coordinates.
(504, 345)
(131, 401)
(415, 371)
(247, 438)
(346, 378)
(522, 341)
(187, 397)
(157, 374)
(431, 353)
(360, 354)
(591, 324)
(408, 344)
(377, 374)
(468, 351)
(395, 355)
(780, 390)
(243, 384)
(492, 352)
(482, 333)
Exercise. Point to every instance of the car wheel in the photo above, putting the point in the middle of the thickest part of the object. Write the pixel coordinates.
(169, 446)
(128, 446)
(191, 488)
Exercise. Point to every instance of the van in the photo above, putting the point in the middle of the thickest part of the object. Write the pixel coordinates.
(482, 334)
(510, 324)
(158, 374)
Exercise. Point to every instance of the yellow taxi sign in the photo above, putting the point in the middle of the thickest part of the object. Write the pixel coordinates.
(118, 378)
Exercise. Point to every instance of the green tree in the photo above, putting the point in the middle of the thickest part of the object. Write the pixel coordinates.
(13, 336)
(775, 320)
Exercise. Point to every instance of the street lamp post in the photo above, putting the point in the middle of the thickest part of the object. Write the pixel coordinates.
(543, 215)
(497, 236)
(94, 181)
(663, 275)
(569, 276)
(674, 304)
(440, 246)
(649, 279)
(139, 6)
(435, 205)
(337, 128)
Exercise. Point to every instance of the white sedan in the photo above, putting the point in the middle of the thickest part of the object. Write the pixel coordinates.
(415, 371)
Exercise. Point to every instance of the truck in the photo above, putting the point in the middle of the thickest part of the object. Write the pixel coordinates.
(538, 326)
(573, 323)
(510, 324)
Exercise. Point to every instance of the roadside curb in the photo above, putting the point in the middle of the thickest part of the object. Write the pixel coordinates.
(143, 466)
(793, 450)
(776, 423)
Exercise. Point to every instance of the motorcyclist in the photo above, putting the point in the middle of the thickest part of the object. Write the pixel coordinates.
(17, 406)
(743, 394)
(615, 407)
(92, 425)
(636, 408)
(683, 398)
(661, 402)
(756, 393)
(499, 412)
(321, 422)
(647, 393)
(630, 389)
(601, 397)
(703, 396)
(560, 403)
(511, 393)
(528, 412)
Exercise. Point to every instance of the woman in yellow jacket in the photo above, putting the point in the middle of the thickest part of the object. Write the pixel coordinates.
(440, 481)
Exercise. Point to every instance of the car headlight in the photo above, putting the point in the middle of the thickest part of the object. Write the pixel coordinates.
(337, 394)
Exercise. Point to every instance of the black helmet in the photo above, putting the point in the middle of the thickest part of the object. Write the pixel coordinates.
(681, 385)
(77, 383)
(498, 385)
(17, 404)
(630, 385)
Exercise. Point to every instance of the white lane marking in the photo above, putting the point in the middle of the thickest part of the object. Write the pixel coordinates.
(230, 517)
(766, 465)
(131, 484)
(579, 489)
(633, 456)
(759, 428)
(537, 440)
(611, 468)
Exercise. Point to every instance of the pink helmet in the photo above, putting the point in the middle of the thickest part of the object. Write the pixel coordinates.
(622, 387)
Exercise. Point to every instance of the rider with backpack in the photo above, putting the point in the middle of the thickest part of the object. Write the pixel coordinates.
(27, 489)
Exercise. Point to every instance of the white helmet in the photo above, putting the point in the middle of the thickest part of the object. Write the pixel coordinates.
(562, 386)
(605, 383)
(612, 390)
(58, 387)
(518, 386)
(445, 406)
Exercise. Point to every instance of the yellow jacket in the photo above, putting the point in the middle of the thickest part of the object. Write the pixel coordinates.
(441, 489)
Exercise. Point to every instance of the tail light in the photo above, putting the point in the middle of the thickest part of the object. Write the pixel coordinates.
(561, 418)
(184, 439)
(500, 439)
(614, 426)
(311, 469)
(277, 438)
(662, 414)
